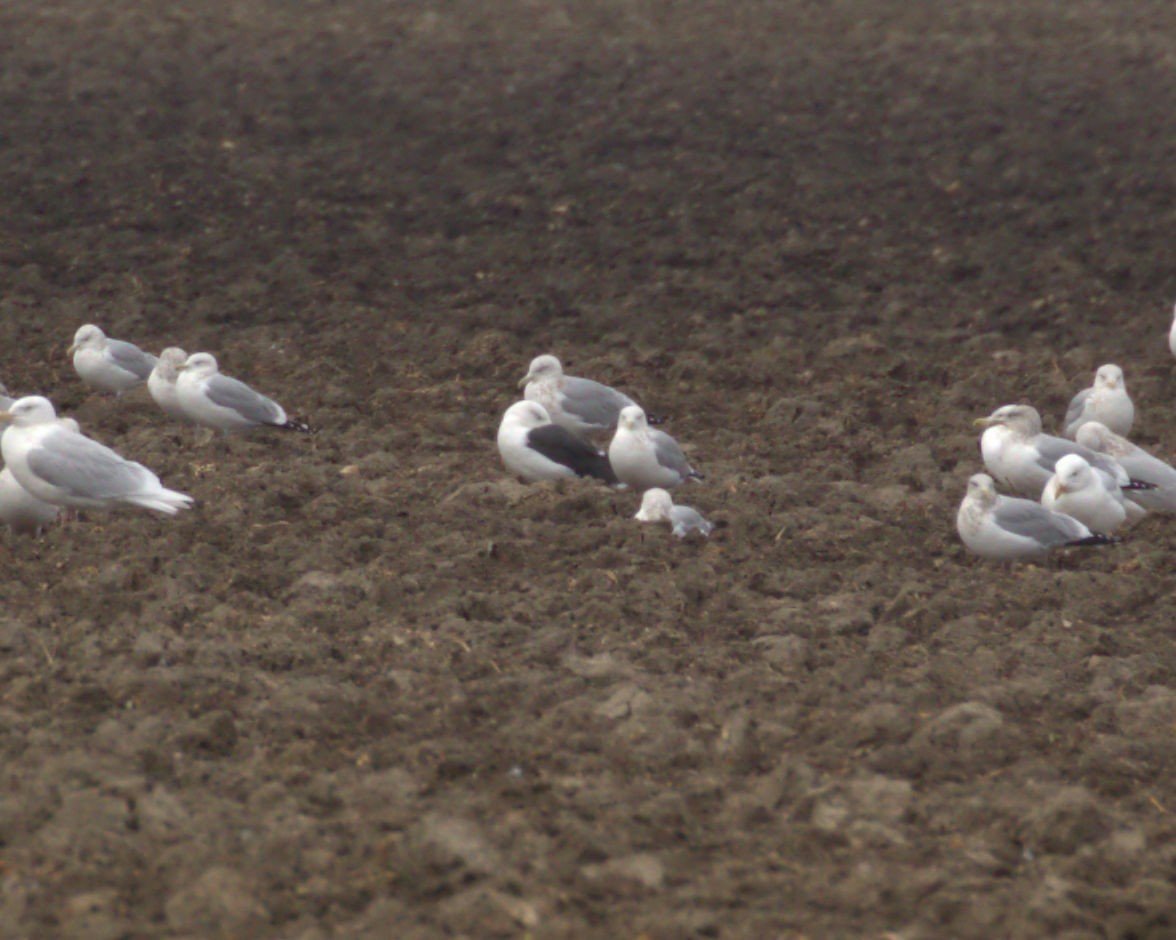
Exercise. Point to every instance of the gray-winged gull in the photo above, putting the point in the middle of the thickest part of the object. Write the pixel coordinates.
(582, 406)
(534, 448)
(658, 506)
(1075, 489)
(225, 404)
(1106, 401)
(1005, 528)
(110, 365)
(66, 468)
(1139, 464)
(643, 457)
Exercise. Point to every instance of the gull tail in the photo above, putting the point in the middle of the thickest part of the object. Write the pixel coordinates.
(1139, 485)
(295, 425)
(162, 500)
(1096, 539)
(694, 475)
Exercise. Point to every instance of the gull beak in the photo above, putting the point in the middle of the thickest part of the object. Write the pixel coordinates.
(6, 417)
(73, 348)
(525, 379)
(985, 422)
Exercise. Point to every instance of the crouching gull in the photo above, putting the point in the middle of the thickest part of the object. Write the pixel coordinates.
(161, 384)
(20, 510)
(109, 365)
(643, 457)
(1020, 456)
(582, 406)
(1139, 464)
(64, 467)
(657, 506)
(535, 449)
(1076, 490)
(224, 404)
(1004, 528)
(1106, 401)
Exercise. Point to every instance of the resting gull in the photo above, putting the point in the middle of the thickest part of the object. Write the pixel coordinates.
(110, 365)
(225, 404)
(66, 468)
(643, 457)
(161, 384)
(582, 406)
(1075, 489)
(20, 510)
(657, 506)
(535, 449)
(1004, 528)
(1139, 464)
(1106, 401)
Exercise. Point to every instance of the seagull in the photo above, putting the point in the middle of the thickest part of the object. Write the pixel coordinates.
(657, 506)
(582, 406)
(64, 467)
(109, 365)
(1138, 463)
(1075, 490)
(1004, 528)
(225, 404)
(535, 449)
(1017, 453)
(20, 510)
(643, 457)
(161, 383)
(1106, 401)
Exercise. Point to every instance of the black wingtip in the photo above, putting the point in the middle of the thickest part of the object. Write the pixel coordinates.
(655, 419)
(1097, 539)
(695, 475)
(1138, 485)
(300, 426)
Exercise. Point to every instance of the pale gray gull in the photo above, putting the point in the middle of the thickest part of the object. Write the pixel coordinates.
(224, 404)
(161, 384)
(1106, 401)
(643, 457)
(1138, 463)
(582, 406)
(1005, 528)
(64, 467)
(535, 449)
(1075, 489)
(657, 506)
(109, 365)
(20, 510)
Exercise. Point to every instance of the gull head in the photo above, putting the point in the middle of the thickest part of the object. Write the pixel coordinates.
(981, 490)
(1023, 419)
(632, 418)
(526, 414)
(542, 367)
(1072, 473)
(1109, 376)
(200, 364)
(170, 361)
(87, 337)
(28, 411)
(655, 506)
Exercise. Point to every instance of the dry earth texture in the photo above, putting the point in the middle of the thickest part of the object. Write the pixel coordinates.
(371, 688)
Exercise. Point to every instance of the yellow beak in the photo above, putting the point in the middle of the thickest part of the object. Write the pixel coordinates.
(985, 422)
(524, 380)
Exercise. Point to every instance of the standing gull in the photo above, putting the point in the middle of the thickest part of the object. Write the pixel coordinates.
(582, 406)
(1139, 464)
(66, 468)
(225, 404)
(1004, 528)
(109, 365)
(161, 383)
(1075, 490)
(643, 457)
(1106, 401)
(535, 449)
(657, 506)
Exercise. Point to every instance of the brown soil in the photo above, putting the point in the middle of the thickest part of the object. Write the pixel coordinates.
(370, 689)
